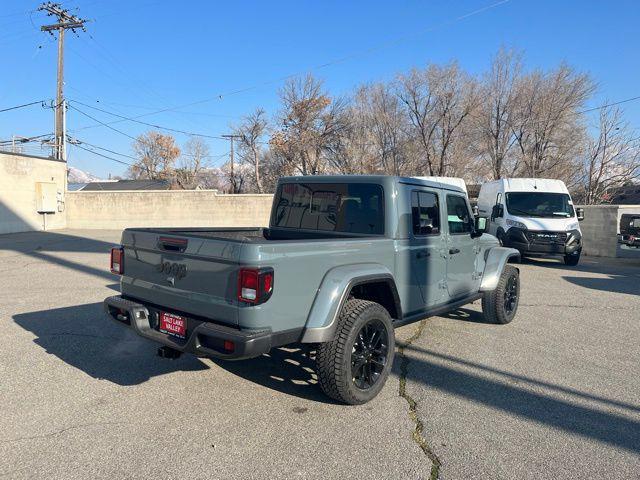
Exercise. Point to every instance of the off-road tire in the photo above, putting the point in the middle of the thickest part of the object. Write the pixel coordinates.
(333, 359)
(493, 303)
(571, 260)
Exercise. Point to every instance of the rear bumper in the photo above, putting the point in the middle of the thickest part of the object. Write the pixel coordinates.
(205, 339)
(527, 243)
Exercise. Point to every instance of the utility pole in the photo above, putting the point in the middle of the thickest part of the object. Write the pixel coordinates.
(232, 176)
(65, 21)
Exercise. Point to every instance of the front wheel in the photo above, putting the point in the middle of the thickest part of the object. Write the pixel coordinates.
(354, 366)
(572, 260)
(501, 304)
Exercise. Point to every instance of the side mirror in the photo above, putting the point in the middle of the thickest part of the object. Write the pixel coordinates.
(497, 211)
(480, 227)
(580, 213)
(475, 210)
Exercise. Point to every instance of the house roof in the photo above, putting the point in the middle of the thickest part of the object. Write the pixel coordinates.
(127, 185)
(627, 195)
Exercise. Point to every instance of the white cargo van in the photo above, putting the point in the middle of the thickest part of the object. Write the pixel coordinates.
(534, 215)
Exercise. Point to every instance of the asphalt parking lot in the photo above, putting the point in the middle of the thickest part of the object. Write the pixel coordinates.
(555, 394)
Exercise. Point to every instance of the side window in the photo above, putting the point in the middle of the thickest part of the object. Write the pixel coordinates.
(425, 213)
(458, 215)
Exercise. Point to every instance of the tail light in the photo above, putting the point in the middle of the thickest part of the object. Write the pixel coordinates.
(255, 285)
(117, 260)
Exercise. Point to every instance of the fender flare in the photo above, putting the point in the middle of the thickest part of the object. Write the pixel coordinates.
(496, 259)
(333, 292)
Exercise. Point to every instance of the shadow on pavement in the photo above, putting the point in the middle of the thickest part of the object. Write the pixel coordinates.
(47, 246)
(288, 370)
(82, 337)
(569, 416)
(619, 283)
(52, 241)
(466, 315)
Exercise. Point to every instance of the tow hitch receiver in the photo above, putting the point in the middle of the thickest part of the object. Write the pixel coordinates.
(168, 352)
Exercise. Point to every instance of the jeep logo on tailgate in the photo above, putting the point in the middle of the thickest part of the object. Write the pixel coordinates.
(177, 270)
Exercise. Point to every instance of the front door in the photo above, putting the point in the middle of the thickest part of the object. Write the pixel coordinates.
(462, 250)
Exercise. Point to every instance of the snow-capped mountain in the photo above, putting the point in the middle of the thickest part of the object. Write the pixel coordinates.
(75, 175)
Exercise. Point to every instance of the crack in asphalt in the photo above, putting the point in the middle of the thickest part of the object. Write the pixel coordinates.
(58, 432)
(417, 435)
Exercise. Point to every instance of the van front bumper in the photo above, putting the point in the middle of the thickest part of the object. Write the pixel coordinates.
(203, 338)
(543, 242)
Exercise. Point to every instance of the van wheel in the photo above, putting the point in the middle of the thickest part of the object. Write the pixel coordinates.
(354, 366)
(572, 260)
(501, 304)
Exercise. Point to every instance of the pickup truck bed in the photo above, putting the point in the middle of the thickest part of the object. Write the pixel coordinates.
(249, 235)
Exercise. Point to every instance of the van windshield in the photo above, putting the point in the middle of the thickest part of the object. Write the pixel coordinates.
(539, 204)
(344, 208)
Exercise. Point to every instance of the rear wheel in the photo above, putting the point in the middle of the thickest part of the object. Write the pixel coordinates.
(501, 304)
(354, 366)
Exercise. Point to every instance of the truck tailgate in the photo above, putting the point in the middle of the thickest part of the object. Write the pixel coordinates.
(188, 274)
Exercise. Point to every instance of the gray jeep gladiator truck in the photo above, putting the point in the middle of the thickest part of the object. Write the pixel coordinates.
(344, 261)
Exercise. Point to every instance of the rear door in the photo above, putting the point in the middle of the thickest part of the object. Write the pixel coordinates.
(427, 241)
(184, 273)
(462, 250)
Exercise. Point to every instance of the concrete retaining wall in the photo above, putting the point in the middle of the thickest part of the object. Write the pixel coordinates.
(166, 208)
(19, 179)
(599, 229)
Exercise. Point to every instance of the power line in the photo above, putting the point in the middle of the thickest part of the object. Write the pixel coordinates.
(101, 155)
(324, 65)
(610, 104)
(134, 119)
(100, 122)
(75, 141)
(24, 105)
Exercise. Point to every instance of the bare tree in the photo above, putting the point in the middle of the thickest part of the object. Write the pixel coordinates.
(612, 158)
(438, 100)
(548, 128)
(384, 121)
(309, 122)
(250, 132)
(500, 93)
(157, 154)
(191, 163)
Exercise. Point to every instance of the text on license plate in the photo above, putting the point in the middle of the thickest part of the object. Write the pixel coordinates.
(173, 324)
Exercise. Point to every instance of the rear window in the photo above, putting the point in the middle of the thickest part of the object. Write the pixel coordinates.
(344, 208)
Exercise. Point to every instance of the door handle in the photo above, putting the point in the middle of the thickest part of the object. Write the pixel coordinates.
(453, 251)
(423, 254)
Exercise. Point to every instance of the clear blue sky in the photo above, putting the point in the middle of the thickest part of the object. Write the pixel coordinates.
(144, 55)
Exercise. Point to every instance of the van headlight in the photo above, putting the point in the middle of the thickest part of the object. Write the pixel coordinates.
(514, 223)
(573, 226)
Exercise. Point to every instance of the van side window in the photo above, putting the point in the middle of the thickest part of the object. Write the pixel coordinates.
(425, 213)
(458, 215)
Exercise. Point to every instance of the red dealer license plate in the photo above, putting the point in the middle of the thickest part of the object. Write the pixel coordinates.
(173, 324)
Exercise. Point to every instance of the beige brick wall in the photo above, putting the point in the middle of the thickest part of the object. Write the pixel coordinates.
(19, 175)
(166, 208)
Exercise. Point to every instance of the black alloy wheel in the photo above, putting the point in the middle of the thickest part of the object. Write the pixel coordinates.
(511, 295)
(369, 354)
